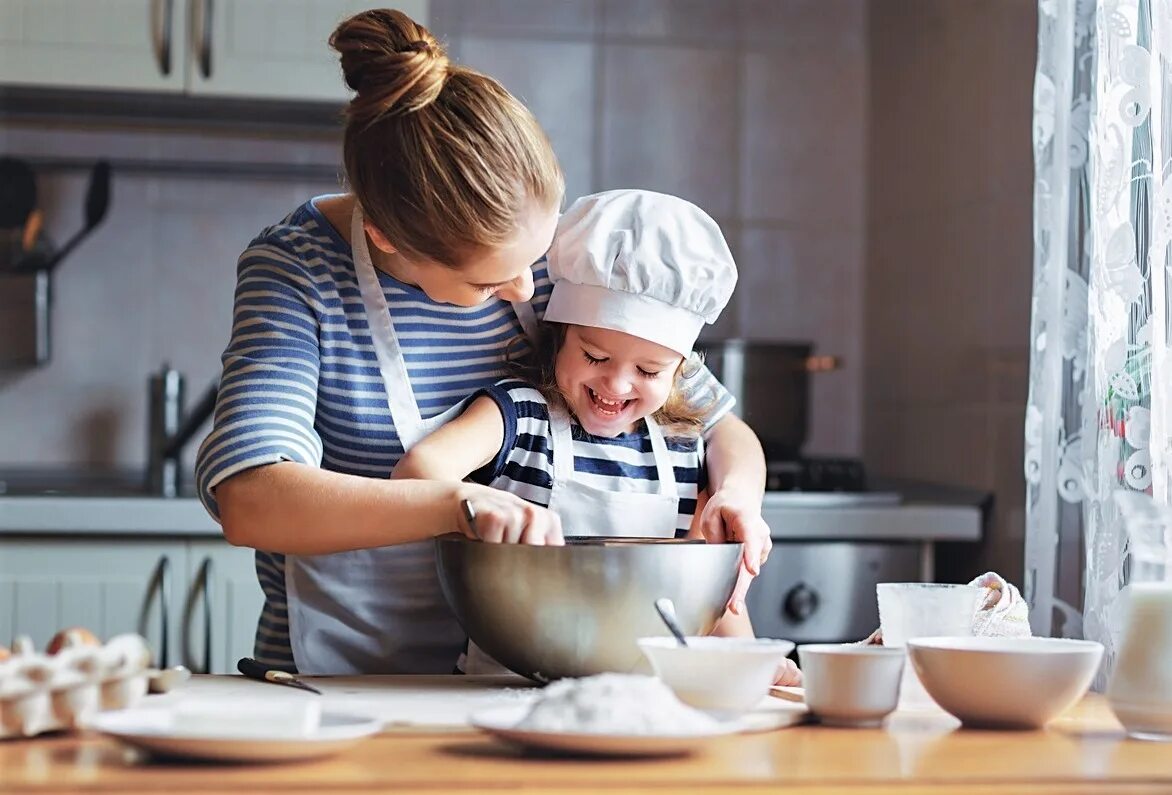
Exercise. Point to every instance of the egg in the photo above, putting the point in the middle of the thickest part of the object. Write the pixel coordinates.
(5, 654)
(74, 636)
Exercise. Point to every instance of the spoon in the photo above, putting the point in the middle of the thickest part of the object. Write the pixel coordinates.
(166, 679)
(667, 611)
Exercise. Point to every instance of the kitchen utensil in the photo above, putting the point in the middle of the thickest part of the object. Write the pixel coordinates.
(469, 514)
(97, 202)
(552, 611)
(849, 684)
(770, 381)
(18, 193)
(262, 673)
(722, 676)
(667, 611)
(1005, 683)
(166, 679)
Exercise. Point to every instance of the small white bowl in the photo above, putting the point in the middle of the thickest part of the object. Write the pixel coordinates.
(1005, 683)
(848, 684)
(722, 676)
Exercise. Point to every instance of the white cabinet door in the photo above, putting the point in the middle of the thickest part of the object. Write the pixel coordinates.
(272, 48)
(107, 586)
(103, 44)
(221, 607)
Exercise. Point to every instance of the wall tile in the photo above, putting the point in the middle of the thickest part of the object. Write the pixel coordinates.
(669, 123)
(575, 18)
(805, 135)
(556, 81)
(773, 24)
(712, 23)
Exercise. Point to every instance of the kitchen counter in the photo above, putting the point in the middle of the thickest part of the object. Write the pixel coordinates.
(122, 514)
(1083, 751)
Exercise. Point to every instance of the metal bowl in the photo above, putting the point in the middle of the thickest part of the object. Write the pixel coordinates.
(577, 610)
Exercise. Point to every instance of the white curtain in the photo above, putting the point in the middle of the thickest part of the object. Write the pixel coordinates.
(1100, 375)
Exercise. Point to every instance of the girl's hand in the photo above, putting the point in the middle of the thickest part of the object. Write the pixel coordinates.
(503, 518)
(727, 516)
(788, 674)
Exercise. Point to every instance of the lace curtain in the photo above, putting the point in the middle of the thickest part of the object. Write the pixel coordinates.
(1100, 374)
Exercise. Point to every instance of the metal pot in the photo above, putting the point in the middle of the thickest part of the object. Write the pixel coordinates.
(770, 381)
(577, 610)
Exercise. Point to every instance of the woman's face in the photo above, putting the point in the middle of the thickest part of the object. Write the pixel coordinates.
(611, 380)
(504, 272)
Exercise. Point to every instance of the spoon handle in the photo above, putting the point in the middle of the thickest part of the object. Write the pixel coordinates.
(667, 612)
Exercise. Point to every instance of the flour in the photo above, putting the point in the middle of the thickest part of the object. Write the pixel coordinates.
(624, 704)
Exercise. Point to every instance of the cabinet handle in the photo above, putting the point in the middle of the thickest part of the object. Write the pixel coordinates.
(203, 9)
(163, 40)
(201, 587)
(160, 582)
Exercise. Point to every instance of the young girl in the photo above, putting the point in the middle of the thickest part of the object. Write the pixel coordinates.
(600, 432)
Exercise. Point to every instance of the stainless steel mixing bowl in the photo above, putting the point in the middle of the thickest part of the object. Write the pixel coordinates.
(551, 612)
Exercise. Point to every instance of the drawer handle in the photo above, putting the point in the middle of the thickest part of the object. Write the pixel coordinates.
(160, 582)
(201, 587)
(163, 39)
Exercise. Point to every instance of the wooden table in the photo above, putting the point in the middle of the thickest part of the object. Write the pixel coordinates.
(1084, 751)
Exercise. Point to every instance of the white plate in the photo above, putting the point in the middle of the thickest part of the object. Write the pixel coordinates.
(502, 724)
(151, 730)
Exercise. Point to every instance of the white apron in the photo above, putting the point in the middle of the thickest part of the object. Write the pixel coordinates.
(378, 610)
(589, 511)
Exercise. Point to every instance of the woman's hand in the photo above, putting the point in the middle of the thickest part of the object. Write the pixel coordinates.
(503, 518)
(731, 516)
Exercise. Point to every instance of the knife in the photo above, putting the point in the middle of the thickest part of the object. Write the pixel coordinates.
(262, 673)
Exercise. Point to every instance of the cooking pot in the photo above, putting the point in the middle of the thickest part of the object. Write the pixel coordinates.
(770, 381)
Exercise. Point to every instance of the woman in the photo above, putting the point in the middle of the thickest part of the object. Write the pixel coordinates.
(361, 323)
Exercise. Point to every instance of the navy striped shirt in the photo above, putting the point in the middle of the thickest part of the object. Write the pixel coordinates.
(301, 381)
(524, 464)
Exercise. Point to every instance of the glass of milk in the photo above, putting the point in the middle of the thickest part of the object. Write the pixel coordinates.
(1140, 691)
(923, 609)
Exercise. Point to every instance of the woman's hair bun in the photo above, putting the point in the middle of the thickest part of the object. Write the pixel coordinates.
(393, 64)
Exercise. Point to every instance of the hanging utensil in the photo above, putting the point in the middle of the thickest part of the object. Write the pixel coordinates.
(97, 202)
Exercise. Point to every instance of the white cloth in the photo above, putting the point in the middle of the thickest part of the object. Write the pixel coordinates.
(589, 511)
(1003, 613)
(647, 264)
(377, 610)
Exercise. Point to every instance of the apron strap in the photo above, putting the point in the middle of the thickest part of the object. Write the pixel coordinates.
(400, 397)
(527, 318)
(563, 445)
(663, 467)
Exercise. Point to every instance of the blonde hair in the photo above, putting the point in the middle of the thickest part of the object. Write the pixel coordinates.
(444, 161)
(678, 416)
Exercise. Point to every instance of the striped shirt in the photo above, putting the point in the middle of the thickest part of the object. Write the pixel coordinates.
(524, 464)
(301, 381)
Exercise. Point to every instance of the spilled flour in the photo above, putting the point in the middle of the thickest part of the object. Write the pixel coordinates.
(625, 704)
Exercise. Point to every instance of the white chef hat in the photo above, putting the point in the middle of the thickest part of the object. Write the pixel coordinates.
(651, 265)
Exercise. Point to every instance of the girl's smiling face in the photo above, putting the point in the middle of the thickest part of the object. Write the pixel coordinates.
(611, 380)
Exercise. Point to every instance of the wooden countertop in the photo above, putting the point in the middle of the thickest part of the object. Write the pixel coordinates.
(1083, 751)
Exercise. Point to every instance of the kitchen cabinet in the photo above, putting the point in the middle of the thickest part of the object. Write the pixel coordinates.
(196, 601)
(265, 49)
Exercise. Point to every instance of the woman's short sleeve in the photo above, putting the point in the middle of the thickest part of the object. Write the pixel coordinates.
(268, 390)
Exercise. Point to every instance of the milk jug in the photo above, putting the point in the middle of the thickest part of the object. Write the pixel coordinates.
(1140, 689)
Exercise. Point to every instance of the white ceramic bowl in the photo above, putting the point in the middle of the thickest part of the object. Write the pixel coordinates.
(848, 684)
(1005, 683)
(722, 676)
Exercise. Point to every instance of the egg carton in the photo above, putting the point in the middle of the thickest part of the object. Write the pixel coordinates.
(42, 692)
